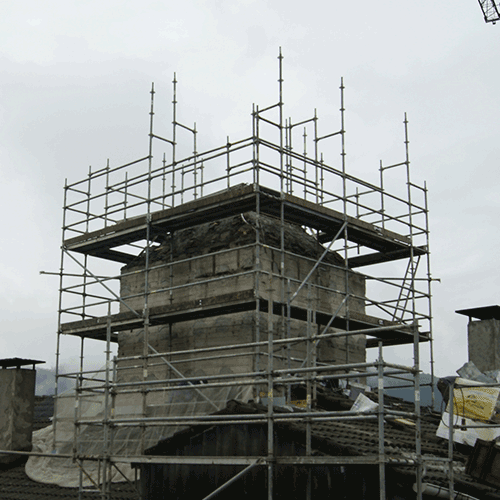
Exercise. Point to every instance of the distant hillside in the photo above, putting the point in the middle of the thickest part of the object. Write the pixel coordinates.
(46, 382)
(407, 393)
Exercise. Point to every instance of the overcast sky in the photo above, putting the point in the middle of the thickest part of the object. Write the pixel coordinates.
(74, 92)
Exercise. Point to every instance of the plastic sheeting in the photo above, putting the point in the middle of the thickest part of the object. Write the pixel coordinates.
(125, 440)
(477, 403)
(364, 405)
(472, 406)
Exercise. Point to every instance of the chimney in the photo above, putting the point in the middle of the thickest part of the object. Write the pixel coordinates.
(17, 401)
(483, 332)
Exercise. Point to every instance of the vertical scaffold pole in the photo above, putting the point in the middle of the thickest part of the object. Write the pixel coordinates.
(305, 162)
(285, 188)
(429, 292)
(106, 195)
(270, 392)
(280, 105)
(288, 158)
(228, 162)
(309, 389)
(316, 156)
(345, 207)
(163, 181)
(451, 406)
(381, 430)
(174, 136)
(195, 162)
(59, 316)
(382, 201)
(416, 339)
(146, 273)
(256, 180)
(106, 470)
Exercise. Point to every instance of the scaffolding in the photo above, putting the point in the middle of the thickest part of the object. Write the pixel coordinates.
(286, 170)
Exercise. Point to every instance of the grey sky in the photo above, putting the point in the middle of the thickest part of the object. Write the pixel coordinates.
(74, 91)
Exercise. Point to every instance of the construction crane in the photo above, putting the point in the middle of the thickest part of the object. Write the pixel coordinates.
(491, 10)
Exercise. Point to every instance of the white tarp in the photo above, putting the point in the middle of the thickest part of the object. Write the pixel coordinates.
(126, 440)
(364, 404)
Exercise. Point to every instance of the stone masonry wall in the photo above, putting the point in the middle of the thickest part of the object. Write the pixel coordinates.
(232, 270)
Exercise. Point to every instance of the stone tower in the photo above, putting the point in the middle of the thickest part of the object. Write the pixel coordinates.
(234, 263)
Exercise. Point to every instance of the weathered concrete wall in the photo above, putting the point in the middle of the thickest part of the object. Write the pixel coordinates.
(206, 332)
(234, 269)
(17, 399)
(231, 329)
(194, 273)
(484, 344)
(328, 284)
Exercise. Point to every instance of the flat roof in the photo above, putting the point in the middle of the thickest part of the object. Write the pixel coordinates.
(486, 312)
(18, 362)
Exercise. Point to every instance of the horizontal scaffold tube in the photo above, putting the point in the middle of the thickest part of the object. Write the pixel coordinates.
(263, 343)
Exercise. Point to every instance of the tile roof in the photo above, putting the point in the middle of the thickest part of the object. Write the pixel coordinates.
(361, 437)
(355, 437)
(15, 485)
